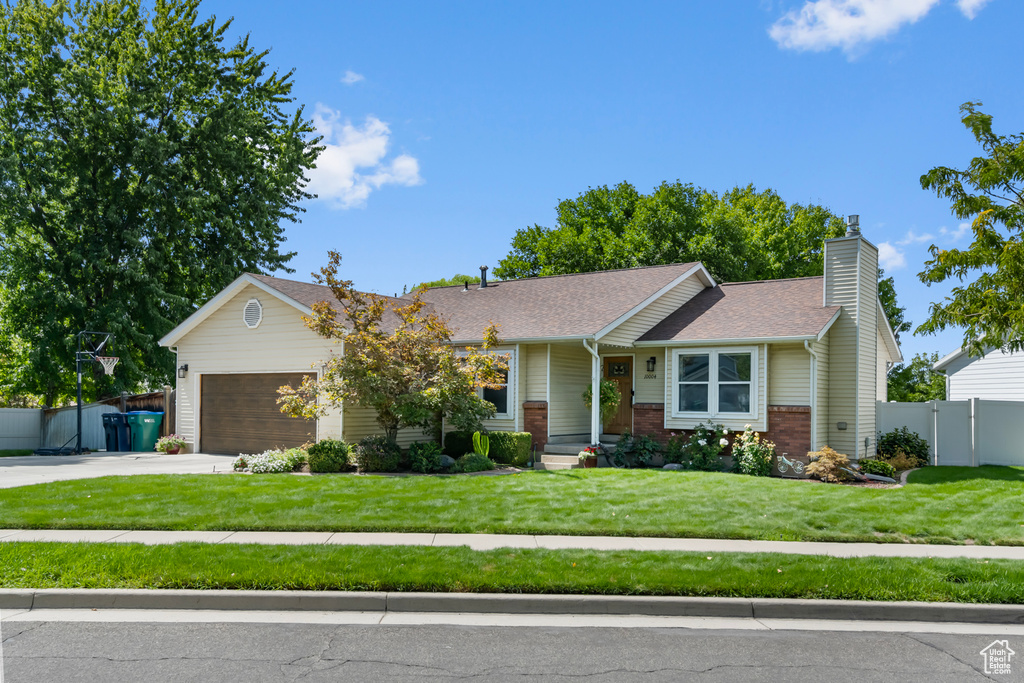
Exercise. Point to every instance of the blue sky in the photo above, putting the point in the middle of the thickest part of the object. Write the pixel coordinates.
(451, 125)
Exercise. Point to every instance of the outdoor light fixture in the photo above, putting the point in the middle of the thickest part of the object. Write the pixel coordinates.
(182, 370)
(651, 362)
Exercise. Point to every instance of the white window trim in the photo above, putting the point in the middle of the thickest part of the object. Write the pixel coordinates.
(713, 353)
(511, 382)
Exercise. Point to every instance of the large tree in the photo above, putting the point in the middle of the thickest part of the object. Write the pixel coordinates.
(990, 194)
(916, 381)
(144, 164)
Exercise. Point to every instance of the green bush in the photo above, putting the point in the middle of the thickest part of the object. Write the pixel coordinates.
(377, 454)
(877, 467)
(425, 456)
(458, 443)
(752, 455)
(634, 451)
(705, 446)
(675, 450)
(511, 448)
(473, 462)
(902, 439)
(328, 455)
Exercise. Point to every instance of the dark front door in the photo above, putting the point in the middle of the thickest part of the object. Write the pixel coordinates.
(620, 371)
(239, 414)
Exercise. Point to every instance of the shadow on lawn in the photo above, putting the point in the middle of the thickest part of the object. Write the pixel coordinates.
(951, 475)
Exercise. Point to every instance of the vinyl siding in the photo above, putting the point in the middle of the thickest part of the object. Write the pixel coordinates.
(759, 421)
(789, 375)
(881, 381)
(361, 422)
(223, 344)
(659, 309)
(570, 375)
(535, 374)
(650, 387)
(867, 382)
(821, 417)
(997, 376)
(841, 288)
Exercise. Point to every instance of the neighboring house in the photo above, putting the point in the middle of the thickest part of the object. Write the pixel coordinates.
(996, 376)
(801, 360)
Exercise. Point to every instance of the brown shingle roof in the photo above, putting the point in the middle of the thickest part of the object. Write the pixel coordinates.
(576, 305)
(748, 310)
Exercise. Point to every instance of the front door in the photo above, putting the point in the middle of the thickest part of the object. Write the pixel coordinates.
(620, 371)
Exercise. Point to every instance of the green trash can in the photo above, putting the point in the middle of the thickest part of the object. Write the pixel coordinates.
(145, 429)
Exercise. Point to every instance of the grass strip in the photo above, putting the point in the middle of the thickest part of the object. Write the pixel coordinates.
(984, 505)
(459, 569)
(15, 452)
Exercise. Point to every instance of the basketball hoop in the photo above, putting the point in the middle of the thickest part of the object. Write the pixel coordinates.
(108, 363)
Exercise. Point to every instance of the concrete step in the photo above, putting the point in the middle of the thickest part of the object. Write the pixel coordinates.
(559, 459)
(573, 448)
(554, 466)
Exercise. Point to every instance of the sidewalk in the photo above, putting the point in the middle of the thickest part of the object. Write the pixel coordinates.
(493, 541)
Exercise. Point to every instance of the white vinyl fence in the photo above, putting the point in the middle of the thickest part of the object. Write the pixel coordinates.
(62, 423)
(971, 432)
(20, 428)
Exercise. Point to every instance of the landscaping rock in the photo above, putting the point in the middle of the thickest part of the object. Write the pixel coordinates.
(447, 462)
(673, 466)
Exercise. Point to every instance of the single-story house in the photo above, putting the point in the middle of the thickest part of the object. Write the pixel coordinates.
(801, 360)
(996, 376)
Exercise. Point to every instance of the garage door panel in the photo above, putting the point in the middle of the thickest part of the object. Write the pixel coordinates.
(240, 414)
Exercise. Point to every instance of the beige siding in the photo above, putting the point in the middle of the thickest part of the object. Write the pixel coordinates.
(821, 418)
(535, 374)
(841, 284)
(867, 382)
(362, 422)
(759, 421)
(570, 375)
(650, 386)
(223, 344)
(659, 309)
(789, 375)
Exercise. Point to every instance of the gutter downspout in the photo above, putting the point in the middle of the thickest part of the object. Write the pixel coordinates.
(595, 402)
(814, 394)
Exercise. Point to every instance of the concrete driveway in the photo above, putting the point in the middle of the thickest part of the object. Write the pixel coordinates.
(38, 469)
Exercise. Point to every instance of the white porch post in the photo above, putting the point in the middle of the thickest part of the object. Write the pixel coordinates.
(595, 388)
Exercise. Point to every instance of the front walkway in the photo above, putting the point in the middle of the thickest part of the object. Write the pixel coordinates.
(493, 541)
(40, 469)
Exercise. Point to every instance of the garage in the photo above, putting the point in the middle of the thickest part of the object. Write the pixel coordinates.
(239, 414)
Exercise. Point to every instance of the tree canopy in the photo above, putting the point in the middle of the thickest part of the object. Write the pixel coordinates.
(916, 381)
(397, 359)
(144, 164)
(450, 281)
(989, 193)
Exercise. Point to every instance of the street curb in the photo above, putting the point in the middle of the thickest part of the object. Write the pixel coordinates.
(498, 603)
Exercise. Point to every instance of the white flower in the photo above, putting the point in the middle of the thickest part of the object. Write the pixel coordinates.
(702, 442)
(723, 442)
(746, 427)
(726, 432)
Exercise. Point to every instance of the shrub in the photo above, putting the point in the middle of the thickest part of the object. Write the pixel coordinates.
(675, 449)
(328, 455)
(610, 398)
(751, 455)
(901, 461)
(272, 461)
(511, 448)
(634, 451)
(377, 454)
(425, 456)
(902, 439)
(473, 462)
(877, 467)
(828, 465)
(458, 443)
(705, 446)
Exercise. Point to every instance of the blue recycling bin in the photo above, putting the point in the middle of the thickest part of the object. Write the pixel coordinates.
(115, 426)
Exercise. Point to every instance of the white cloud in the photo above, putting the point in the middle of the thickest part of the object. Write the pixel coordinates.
(970, 8)
(890, 258)
(913, 238)
(351, 77)
(353, 162)
(956, 234)
(825, 24)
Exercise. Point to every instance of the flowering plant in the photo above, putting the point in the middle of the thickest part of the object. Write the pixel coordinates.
(169, 442)
(704, 447)
(752, 455)
(271, 462)
(589, 452)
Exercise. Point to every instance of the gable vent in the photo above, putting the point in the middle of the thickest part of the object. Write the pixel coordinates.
(252, 314)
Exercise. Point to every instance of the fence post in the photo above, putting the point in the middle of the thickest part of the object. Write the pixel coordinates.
(973, 410)
(935, 431)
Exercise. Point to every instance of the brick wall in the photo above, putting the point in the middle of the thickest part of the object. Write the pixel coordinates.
(788, 426)
(535, 418)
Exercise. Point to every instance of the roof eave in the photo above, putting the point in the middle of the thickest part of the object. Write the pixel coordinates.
(733, 340)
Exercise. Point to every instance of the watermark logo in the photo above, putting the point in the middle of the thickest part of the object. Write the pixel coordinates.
(997, 657)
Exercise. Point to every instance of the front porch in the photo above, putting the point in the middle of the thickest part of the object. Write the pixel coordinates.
(562, 453)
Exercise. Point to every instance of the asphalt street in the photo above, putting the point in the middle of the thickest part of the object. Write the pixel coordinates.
(113, 651)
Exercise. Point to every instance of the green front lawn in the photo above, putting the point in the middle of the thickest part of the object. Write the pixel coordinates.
(939, 505)
(199, 565)
(15, 452)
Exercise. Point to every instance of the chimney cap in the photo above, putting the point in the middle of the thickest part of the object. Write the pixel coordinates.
(483, 276)
(852, 225)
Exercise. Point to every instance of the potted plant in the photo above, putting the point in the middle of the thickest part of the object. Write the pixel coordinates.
(588, 456)
(610, 398)
(170, 444)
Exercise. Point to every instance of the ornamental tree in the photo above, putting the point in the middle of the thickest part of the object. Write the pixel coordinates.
(396, 358)
(989, 302)
(144, 165)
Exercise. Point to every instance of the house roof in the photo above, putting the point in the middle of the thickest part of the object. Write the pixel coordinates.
(559, 306)
(768, 309)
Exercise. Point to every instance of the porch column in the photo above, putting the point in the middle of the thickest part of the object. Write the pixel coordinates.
(595, 389)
